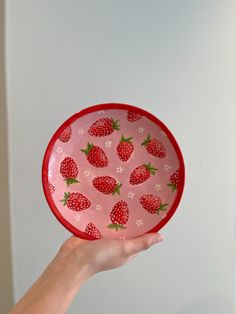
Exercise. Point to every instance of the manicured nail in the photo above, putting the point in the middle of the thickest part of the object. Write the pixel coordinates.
(157, 238)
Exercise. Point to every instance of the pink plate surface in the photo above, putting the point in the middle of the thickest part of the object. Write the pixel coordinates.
(114, 188)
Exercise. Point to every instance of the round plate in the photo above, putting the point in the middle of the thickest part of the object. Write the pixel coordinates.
(113, 171)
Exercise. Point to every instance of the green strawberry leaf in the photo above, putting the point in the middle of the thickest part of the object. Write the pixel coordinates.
(117, 189)
(66, 196)
(71, 181)
(150, 168)
(147, 140)
(125, 139)
(115, 124)
(162, 208)
(116, 226)
(87, 149)
(173, 186)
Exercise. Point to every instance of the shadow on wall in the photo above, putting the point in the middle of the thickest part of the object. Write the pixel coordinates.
(215, 304)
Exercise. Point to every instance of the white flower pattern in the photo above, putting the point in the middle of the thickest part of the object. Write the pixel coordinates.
(77, 217)
(139, 222)
(80, 131)
(158, 187)
(59, 150)
(119, 169)
(167, 167)
(98, 207)
(163, 133)
(108, 143)
(131, 194)
(86, 173)
(141, 130)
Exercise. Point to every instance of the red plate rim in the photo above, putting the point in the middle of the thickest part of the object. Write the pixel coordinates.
(98, 107)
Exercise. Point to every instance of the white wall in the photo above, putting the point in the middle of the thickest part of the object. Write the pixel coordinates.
(174, 58)
(6, 284)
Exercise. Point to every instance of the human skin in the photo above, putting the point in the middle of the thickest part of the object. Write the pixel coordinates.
(77, 261)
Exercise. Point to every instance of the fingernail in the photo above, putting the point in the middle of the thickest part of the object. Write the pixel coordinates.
(157, 238)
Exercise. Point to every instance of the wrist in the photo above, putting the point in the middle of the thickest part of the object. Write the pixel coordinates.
(73, 270)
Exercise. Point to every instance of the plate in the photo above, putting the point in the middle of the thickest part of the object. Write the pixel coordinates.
(113, 171)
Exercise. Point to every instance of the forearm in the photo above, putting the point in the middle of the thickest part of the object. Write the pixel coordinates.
(56, 287)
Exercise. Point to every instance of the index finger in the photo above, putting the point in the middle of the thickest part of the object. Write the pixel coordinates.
(134, 246)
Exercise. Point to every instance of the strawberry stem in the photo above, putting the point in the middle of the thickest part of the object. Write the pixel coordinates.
(147, 140)
(117, 189)
(87, 149)
(173, 186)
(150, 168)
(125, 139)
(162, 208)
(116, 226)
(66, 196)
(71, 181)
(115, 124)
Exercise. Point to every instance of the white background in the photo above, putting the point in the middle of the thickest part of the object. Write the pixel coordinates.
(173, 58)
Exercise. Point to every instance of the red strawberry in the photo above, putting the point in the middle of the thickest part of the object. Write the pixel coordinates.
(103, 127)
(125, 148)
(93, 231)
(133, 116)
(65, 135)
(51, 188)
(119, 216)
(76, 201)
(152, 203)
(107, 185)
(154, 147)
(95, 156)
(174, 180)
(69, 170)
(141, 173)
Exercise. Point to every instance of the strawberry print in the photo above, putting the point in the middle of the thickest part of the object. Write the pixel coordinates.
(69, 170)
(95, 156)
(142, 173)
(103, 127)
(174, 180)
(154, 147)
(133, 116)
(119, 216)
(112, 173)
(107, 185)
(152, 203)
(65, 134)
(76, 201)
(93, 231)
(51, 188)
(125, 148)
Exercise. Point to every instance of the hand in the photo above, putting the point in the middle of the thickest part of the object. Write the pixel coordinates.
(76, 261)
(104, 254)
